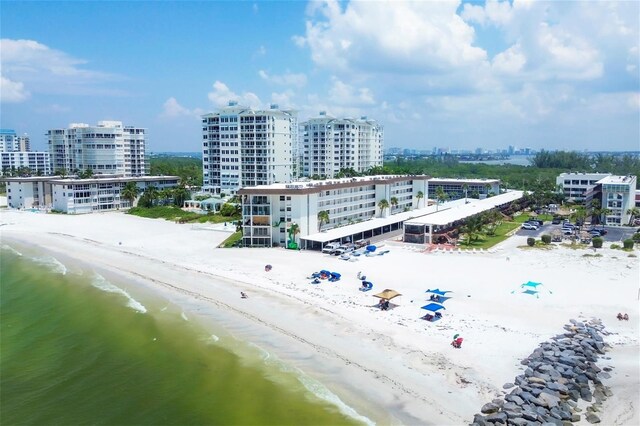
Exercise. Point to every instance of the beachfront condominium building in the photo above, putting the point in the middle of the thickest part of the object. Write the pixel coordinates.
(460, 188)
(330, 144)
(78, 196)
(11, 142)
(108, 148)
(269, 212)
(246, 147)
(614, 194)
(574, 186)
(25, 163)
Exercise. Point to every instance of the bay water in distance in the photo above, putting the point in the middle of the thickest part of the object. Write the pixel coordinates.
(77, 349)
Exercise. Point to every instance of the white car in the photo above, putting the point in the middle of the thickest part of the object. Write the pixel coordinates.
(529, 226)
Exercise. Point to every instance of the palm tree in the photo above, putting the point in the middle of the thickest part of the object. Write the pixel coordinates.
(465, 188)
(394, 202)
(487, 187)
(579, 216)
(383, 205)
(61, 172)
(633, 212)
(419, 196)
(152, 194)
(294, 230)
(323, 217)
(130, 192)
(180, 194)
(441, 197)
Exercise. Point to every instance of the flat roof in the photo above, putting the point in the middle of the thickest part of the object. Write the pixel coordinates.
(58, 179)
(458, 212)
(378, 222)
(617, 179)
(317, 185)
(437, 180)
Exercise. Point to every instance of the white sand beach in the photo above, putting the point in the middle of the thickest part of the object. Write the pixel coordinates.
(390, 366)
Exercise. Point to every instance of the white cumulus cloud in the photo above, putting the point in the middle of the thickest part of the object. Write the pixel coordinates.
(172, 109)
(221, 95)
(12, 91)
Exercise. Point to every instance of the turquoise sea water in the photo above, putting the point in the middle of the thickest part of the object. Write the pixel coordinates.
(77, 349)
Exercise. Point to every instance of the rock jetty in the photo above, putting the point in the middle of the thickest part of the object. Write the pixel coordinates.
(561, 383)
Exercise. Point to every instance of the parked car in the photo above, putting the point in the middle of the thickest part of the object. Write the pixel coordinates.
(361, 243)
(529, 226)
(536, 222)
(556, 220)
(330, 248)
(567, 231)
(599, 232)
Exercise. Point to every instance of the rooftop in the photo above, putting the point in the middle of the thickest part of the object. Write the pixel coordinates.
(619, 180)
(329, 182)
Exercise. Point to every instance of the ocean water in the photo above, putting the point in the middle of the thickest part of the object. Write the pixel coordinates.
(77, 349)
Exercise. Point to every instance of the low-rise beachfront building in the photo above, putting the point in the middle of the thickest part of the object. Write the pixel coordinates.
(616, 196)
(426, 228)
(78, 196)
(575, 185)
(461, 188)
(270, 211)
(35, 163)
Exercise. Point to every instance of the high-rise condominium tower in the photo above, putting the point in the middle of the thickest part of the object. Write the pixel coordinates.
(331, 144)
(108, 148)
(246, 147)
(11, 142)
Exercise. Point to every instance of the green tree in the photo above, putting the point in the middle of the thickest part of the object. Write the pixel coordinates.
(180, 194)
(394, 202)
(130, 192)
(465, 188)
(441, 197)
(419, 196)
(323, 217)
(633, 212)
(61, 172)
(383, 205)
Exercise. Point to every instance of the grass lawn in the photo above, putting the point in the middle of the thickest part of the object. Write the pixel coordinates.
(488, 241)
(233, 238)
(522, 218)
(174, 213)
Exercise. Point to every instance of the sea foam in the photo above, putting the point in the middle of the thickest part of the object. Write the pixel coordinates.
(101, 283)
(313, 386)
(11, 249)
(52, 263)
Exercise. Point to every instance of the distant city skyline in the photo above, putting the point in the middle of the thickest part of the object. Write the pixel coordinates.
(461, 75)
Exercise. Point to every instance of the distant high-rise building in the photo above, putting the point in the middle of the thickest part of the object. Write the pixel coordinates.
(108, 148)
(331, 144)
(11, 142)
(246, 147)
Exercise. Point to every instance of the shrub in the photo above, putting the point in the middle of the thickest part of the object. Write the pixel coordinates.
(597, 242)
(615, 246)
(227, 210)
(546, 239)
(636, 237)
(628, 244)
(531, 241)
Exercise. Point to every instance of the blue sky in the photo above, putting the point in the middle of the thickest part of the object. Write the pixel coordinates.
(555, 75)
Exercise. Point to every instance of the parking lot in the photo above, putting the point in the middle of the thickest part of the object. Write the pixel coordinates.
(614, 233)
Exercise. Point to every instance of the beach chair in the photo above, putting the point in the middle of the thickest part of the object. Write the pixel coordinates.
(366, 286)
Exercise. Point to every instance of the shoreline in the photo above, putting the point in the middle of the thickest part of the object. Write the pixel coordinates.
(331, 332)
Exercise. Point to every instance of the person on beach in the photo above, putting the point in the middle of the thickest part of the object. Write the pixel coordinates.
(243, 295)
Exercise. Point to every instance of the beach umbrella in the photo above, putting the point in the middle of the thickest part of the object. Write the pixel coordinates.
(531, 284)
(387, 294)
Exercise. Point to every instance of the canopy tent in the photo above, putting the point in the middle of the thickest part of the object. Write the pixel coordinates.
(433, 307)
(387, 294)
(531, 288)
(439, 292)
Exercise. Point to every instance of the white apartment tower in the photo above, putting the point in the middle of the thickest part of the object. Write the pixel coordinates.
(11, 142)
(330, 144)
(246, 147)
(108, 148)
